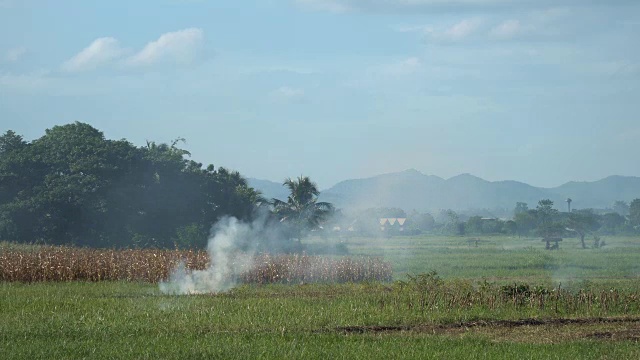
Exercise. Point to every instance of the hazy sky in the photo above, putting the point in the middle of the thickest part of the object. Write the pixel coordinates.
(539, 91)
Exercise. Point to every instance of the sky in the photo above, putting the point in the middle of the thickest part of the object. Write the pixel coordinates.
(538, 91)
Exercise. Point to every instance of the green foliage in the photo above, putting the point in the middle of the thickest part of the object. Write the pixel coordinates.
(421, 221)
(302, 212)
(612, 223)
(634, 212)
(621, 207)
(583, 222)
(453, 225)
(526, 222)
(520, 208)
(192, 236)
(73, 186)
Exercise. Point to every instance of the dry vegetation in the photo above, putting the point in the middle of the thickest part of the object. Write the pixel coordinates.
(51, 263)
(311, 269)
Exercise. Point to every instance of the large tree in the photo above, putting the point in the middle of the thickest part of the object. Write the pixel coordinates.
(634, 212)
(549, 224)
(520, 208)
(525, 222)
(612, 223)
(302, 212)
(73, 186)
(583, 222)
(621, 207)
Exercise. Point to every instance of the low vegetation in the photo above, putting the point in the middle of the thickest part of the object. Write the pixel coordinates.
(421, 317)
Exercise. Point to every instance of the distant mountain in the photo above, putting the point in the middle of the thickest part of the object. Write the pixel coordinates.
(601, 193)
(269, 189)
(411, 189)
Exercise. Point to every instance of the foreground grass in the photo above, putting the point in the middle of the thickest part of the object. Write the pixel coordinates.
(131, 320)
(444, 319)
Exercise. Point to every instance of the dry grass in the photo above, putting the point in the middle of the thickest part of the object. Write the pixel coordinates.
(51, 263)
(313, 269)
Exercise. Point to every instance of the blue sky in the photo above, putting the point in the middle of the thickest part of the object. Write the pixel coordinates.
(537, 91)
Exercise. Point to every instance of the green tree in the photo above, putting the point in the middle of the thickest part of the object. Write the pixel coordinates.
(621, 207)
(73, 186)
(634, 212)
(583, 222)
(526, 222)
(302, 212)
(510, 227)
(474, 225)
(68, 172)
(520, 208)
(453, 225)
(612, 223)
(548, 222)
(422, 221)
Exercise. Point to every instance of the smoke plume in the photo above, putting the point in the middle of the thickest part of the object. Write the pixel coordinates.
(231, 248)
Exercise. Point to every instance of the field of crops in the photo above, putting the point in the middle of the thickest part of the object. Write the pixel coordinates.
(507, 298)
(51, 263)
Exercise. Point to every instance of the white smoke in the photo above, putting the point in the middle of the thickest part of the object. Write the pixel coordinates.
(231, 251)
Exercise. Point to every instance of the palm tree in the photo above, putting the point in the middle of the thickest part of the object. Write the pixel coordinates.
(301, 212)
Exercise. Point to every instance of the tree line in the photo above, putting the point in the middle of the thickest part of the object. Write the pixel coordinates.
(73, 186)
(543, 221)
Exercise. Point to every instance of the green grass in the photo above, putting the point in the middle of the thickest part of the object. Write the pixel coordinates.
(507, 259)
(114, 320)
(129, 320)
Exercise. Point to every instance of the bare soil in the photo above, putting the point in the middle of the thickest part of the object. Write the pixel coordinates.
(523, 330)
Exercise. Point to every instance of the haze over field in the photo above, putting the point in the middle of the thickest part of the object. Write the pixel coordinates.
(542, 92)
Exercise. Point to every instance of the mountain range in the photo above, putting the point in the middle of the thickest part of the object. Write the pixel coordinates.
(411, 189)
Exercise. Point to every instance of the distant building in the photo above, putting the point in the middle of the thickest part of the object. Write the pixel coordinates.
(392, 224)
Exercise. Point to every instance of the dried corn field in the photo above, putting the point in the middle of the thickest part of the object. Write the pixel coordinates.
(49, 263)
(312, 269)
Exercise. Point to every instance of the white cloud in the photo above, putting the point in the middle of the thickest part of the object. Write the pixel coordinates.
(180, 47)
(463, 29)
(15, 54)
(288, 94)
(507, 30)
(459, 31)
(536, 25)
(456, 32)
(100, 52)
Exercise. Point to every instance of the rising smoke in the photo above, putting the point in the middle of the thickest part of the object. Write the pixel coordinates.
(231, 248)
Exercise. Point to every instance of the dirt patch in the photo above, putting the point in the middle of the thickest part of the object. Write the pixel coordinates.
(491, 324)
(628, 334)
(534, 331)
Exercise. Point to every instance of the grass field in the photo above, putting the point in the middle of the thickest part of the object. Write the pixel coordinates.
(508, 259)
(578, 304)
